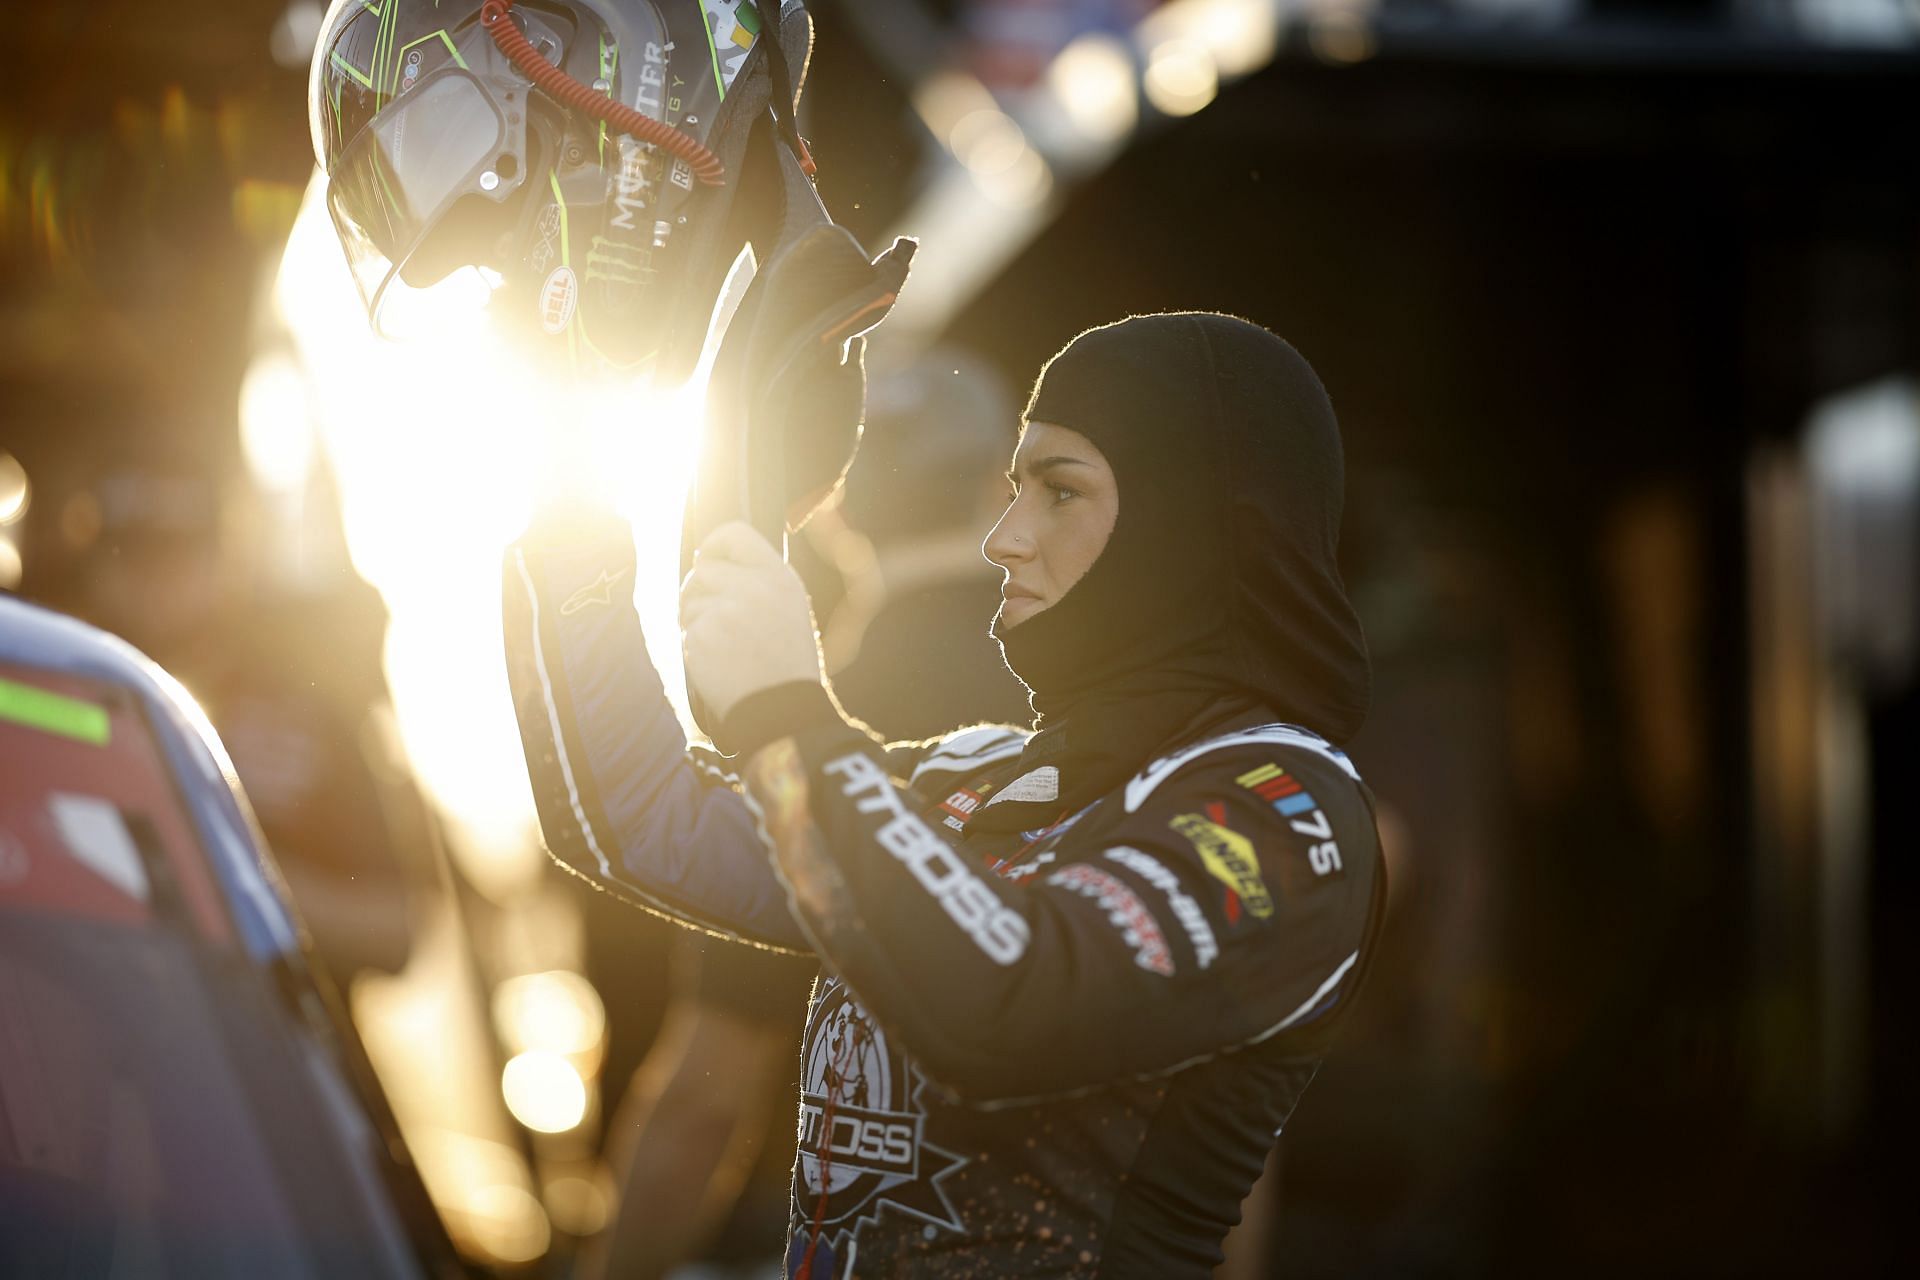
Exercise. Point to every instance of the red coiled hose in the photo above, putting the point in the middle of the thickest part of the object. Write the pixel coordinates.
(564, 89)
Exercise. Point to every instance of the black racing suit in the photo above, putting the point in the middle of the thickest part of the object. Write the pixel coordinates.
(1062, 1052)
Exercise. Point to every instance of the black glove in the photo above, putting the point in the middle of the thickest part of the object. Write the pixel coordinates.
(788, 393)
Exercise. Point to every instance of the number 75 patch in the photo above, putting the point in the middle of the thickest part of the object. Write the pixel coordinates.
(1292, 801)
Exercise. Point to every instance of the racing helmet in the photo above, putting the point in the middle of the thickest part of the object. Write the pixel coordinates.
(584, 155)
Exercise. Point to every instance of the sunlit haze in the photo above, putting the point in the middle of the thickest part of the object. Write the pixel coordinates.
(442, 445)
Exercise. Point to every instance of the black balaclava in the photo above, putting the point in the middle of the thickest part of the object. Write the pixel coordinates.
(1217, 593)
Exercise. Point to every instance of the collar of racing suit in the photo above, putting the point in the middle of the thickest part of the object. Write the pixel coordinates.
(1218, 590)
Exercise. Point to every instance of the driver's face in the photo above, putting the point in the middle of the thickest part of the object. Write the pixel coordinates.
(1064, 505)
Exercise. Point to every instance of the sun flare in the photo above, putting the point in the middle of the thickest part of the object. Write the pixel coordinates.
(442, 446)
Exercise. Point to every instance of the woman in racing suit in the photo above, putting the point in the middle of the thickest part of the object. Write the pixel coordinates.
(1073, 980)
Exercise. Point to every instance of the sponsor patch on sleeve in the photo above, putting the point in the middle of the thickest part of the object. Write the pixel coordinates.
(779, 785)
(1199, 933)
(1229, 858)
(996, 928)
(1278, 788)
(959, 806)
(1292, 801)
(1125, 911)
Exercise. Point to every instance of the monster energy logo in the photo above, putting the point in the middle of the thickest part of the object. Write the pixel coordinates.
(632, 183)
(653, 75)
(618, 262)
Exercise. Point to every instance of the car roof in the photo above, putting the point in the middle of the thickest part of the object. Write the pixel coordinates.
(35, 636)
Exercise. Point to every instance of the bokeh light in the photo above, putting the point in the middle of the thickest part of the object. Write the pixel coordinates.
(1181, 77)
(12, 566)
(946, 98)
(1096, 85)
(1341, 37)
(994, 150)
(507, 1222)
(987, 141)
(1024, 183)
(1239, 35)
(443, 444)
(544, 1091)
(580, 1205)
(554, 1012)
(276, 427)
(15, 492)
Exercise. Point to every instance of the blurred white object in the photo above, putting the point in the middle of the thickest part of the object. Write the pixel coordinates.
(1863, 461)
(1888, 23)
(15, 492)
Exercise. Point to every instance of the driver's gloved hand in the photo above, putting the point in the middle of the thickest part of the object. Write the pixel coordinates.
(788, 392)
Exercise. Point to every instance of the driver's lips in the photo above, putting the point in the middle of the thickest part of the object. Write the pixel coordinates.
(1018, 602)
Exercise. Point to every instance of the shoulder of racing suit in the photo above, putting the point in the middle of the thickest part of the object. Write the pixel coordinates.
(960, 755)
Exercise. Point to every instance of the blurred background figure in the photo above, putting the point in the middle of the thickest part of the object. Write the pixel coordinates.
(1620, 306)
(703, 1139)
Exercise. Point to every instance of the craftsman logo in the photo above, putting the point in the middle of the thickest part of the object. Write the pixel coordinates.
(997, 929)
(1124, 910)
(559, 296)
(1230, 859)
(863, 1125)
(958, 807)
(1185, 909)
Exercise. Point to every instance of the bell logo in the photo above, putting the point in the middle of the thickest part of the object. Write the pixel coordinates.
(558, 298)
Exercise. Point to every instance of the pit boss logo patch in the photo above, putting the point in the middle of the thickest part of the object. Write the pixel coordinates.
(1230, 859)
(862, 1127)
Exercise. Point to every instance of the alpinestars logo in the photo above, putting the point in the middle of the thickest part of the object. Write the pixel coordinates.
(862, 1121)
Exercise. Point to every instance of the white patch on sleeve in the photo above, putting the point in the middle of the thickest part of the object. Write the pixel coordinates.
(1040, 785)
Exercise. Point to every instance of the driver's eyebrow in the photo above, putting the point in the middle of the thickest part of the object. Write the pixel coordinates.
(1034, 468)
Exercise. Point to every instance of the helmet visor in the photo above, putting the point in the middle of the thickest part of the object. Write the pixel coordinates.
(407, 167)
